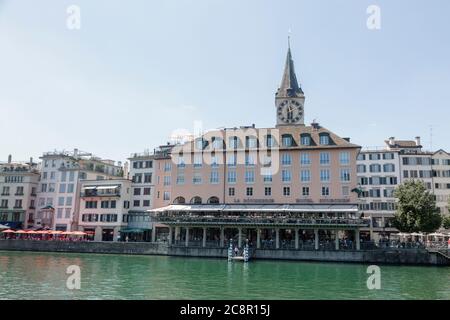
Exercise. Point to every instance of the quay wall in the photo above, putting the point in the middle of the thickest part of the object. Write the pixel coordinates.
(380, 256)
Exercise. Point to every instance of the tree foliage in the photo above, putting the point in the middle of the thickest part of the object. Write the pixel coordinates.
(416, 211)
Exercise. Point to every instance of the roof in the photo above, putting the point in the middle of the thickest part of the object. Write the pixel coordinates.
(403, 144)
(289, 85)
(257, 207)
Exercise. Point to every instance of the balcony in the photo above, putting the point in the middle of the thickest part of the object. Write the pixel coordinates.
(3, 207)
(5, 194)
(18, 194)
(17, 207)
(33, 194)
(32, 207)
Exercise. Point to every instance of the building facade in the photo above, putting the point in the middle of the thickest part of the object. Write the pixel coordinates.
(103, 208)
(441, 180)
(18, 187)
(59, 187)
(293, 183)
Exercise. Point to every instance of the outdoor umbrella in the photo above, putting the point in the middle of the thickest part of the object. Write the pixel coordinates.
(79, 233)
(21, 231)
(8, 231)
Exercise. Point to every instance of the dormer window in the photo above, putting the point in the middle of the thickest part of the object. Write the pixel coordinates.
(250, 142)
(270, 141)
(324, 139)
(305, 140)
(287, 141)
(199, 144)
(217, 143)
(233, 142)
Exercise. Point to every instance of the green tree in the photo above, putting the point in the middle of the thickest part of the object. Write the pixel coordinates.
(446, 220)
(416, 211)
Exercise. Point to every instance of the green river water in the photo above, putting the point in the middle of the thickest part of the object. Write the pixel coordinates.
(32, 275)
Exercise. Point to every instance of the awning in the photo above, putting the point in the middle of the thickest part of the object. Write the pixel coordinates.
(108, 187)
(133, 230)
(89, 187)
(323, 208)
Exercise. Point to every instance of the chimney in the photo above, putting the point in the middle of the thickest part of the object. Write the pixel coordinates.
(9, 158)
(391, 141)
(418, 141)
(31, 161)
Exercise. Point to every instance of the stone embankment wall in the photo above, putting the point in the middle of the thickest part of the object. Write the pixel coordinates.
(385, 256)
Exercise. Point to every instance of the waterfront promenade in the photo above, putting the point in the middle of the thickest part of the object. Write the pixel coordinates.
(407, 256)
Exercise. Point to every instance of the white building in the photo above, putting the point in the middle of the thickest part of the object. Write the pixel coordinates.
(103, 209)
(381, 170)
(142, 175)
(441, 179)
(59, 188)
(18, 185)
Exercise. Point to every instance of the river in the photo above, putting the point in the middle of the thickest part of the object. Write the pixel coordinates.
(33, 275)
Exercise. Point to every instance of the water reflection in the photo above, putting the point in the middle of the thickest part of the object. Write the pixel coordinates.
(27, 275)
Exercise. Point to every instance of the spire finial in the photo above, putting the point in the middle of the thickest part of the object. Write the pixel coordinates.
(289, 38)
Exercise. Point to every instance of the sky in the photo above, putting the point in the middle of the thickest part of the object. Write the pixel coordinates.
(136, 71)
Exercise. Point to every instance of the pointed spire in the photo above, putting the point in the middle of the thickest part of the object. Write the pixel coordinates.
(289, 85)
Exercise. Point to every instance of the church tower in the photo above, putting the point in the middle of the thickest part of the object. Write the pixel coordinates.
(290, 99)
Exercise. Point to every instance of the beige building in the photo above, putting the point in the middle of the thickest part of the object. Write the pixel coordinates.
(18, 186)
(103, 208)
(293, 183)
(441, 180)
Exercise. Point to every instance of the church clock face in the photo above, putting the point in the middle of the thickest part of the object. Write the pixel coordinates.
(290, 111)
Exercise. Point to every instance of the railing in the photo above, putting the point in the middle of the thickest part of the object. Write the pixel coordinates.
(261, 220)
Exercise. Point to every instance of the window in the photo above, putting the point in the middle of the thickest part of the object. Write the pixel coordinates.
(286, 159)
(267, 177)
(63, 176)
(147, 191)
(388, 156)
(324, 139)
(267, 191)
(325, 191)
(61, 201)
(251, 142)
(44, 187)
(137, 191)
(146, 203)
(214, 162)
(325, 175)
(305, 176)
(324, 158)
(5, 191)
(231, 192)
(136, 203)
(345, 191)
(233, 142)
(214, 178)
(72, 176)
(51, 187)
(287, 141)
(375, 168)
(167, 166)
(361, 157)
(167, 180)
(19, 191)
(59, 213)
(231, 176)
(345, 175)
(217, 143)
(270, 141)
(62, 188)
(249, 192)
(70, 188)
(199, 143)
(305, 140)
(126, 204)
(197, 178)
(149, 164)
(305, 159)
(52, 175)
(249, 161)
(166, 195)
(286, 191)
(286, 176)
(91, 205)
(198, 161)
(104, 204)
(137, 178)
(147, 178)
(180, 179)
(388, 167)
(249, 176)
(360, 168)
(405, 174)
(18, 203)
(231, 161)
(344, 157)
(4, 204)
(305, 191)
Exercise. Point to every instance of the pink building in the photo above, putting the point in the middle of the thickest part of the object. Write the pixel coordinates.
(226, 183)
